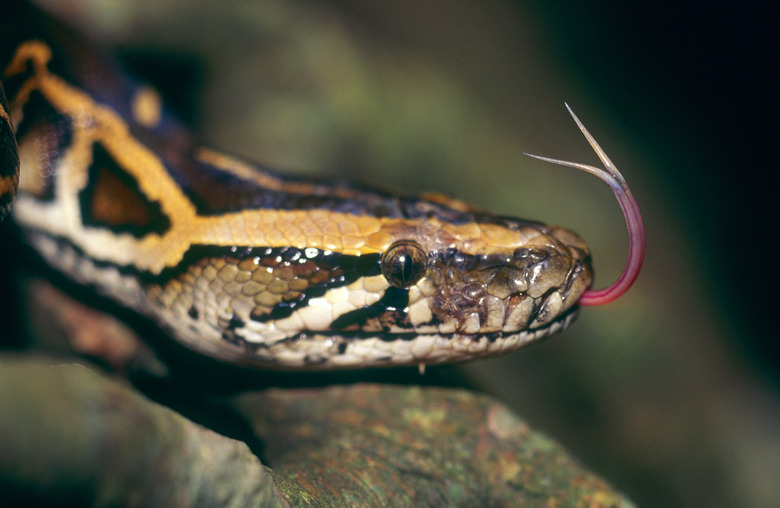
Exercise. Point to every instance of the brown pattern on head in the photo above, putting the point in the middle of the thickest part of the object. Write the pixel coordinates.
(112, 199)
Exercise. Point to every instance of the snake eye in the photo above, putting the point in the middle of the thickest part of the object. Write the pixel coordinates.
(404, 263)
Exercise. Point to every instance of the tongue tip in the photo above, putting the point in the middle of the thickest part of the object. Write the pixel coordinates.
(636, 231)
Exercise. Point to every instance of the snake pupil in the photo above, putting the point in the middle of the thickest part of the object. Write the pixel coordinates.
(404, 263)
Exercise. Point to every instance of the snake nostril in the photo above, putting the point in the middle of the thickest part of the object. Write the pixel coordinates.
(526, 256)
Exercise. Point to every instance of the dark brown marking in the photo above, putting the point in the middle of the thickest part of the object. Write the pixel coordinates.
(113, 200)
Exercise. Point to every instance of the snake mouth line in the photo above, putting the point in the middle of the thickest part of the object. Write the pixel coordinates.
(327, 351)
(343, 339)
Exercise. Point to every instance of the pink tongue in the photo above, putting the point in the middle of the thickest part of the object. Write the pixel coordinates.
(636, 229)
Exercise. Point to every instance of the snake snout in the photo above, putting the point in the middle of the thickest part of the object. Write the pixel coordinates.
(532, 272)
(512, 290)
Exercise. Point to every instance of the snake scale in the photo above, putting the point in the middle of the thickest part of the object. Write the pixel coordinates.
(253, 267)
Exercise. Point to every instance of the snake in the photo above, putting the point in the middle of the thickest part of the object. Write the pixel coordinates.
(259, 268)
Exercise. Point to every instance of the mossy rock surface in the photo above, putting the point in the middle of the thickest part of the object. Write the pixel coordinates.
(70, 434)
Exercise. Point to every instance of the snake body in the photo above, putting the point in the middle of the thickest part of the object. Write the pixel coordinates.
(242, 263)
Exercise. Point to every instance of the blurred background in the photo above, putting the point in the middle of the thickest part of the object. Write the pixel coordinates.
(671, 393)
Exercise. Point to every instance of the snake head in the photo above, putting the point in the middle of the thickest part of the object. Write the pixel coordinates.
(369, 279)
(457, 284)
(457, 292)
(421, 291)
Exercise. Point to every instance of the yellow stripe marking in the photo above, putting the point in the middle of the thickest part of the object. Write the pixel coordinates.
(322, 229)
